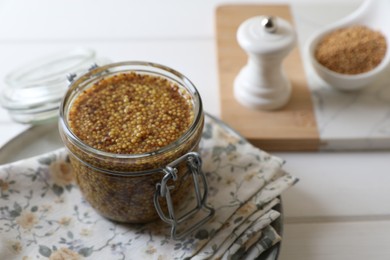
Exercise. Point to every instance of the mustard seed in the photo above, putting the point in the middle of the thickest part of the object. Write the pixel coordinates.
(128, 113)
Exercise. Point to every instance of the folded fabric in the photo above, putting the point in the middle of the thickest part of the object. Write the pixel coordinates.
(43, 214)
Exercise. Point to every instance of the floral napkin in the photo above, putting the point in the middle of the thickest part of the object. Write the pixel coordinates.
(43, 214)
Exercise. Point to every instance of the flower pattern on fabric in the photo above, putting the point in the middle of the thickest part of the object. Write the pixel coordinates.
(44, 216)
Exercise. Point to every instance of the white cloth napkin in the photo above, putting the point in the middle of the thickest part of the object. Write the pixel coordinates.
(43, 214)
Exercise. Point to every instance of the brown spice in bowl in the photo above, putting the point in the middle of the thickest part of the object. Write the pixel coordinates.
(351, 50)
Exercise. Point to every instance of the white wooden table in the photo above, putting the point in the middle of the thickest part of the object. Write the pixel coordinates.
(340, 209)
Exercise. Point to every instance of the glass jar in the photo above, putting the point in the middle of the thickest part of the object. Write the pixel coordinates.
(139, 188)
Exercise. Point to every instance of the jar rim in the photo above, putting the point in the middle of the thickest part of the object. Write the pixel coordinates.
(147, 67)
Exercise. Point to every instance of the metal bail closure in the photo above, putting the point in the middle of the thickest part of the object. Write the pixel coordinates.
(71, 77)
(194, 165)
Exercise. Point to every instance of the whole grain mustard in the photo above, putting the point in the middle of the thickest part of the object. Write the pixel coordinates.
(130, 113)
(124, 125)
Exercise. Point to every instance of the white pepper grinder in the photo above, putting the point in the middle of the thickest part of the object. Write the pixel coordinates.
(261, 83)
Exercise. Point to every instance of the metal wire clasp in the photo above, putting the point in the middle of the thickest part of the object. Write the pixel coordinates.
(72, 76)
(194, 165)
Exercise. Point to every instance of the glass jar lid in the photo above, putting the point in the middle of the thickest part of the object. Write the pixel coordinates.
(34, 91)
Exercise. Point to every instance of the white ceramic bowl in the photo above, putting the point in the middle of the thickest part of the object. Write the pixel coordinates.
(371, 14)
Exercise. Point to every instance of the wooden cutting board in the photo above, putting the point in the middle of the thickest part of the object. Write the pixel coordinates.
(292, 128)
